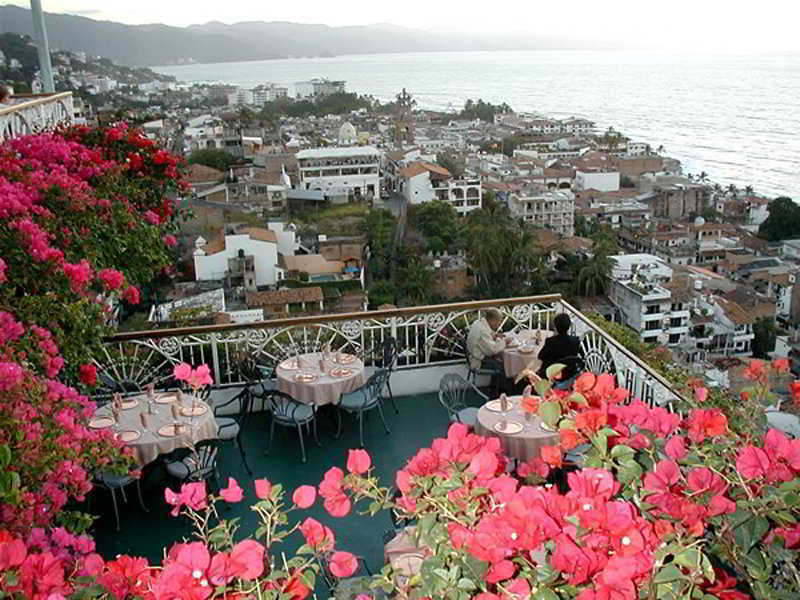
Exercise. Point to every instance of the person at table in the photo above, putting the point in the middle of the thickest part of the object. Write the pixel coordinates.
(562, 348)
(485, 343)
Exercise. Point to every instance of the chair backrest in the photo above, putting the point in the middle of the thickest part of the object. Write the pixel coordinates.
(374, 386)
(202, 462)
(243, 400)
(596, 354)
(574, 365)
(389, 351)
(452, 392)
(283, 406)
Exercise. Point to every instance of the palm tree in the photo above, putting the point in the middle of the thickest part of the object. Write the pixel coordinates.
(733, 190)
(703, 177)
(660, 149)
(748, 189)
(594, 274)
(415, 282)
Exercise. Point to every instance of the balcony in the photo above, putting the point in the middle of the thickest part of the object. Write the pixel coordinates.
(431, 343)
(31, 114)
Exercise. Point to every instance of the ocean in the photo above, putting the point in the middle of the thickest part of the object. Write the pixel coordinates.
(736, 117)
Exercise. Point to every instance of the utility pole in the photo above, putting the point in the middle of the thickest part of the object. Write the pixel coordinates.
(45, 68)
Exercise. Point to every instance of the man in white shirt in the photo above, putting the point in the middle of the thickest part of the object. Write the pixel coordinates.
(484, 345)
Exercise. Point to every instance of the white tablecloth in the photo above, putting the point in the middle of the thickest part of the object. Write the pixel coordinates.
(327, 388)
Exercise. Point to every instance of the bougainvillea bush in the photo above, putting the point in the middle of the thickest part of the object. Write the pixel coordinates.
(85, 219)
(663, 505)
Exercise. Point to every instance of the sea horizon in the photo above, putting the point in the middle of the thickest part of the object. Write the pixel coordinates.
(728, 114)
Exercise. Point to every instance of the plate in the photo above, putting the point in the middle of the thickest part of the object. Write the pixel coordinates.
(101, 422)
(194, 411)
(166, 398)
(342, 372)
(129, 404)
(495, 406)
(545, 427)
(511, 427)
(131, 435)
(169, 430)
(513, 343)
(526, 349)
(344, 359)
(306, 377)
(290, 364)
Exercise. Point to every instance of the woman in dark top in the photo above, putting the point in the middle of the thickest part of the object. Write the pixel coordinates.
(559, 347)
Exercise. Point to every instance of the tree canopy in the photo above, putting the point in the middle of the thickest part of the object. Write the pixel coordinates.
(211, 157)
(440, 224)
(783, 221)
(485, 111)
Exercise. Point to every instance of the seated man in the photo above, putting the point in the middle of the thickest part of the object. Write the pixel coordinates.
(484, 343)
(562, 348)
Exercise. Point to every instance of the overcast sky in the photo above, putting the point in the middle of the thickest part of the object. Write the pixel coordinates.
(766, 25)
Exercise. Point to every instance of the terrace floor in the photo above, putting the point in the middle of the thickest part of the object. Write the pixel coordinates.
(421, 419)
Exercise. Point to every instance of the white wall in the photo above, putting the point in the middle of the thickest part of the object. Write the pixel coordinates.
(265, 257)
(602, 182)
(418, 189)
(287, 241)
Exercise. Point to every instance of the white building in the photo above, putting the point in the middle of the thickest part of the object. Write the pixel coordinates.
(354, 171)
(318, 88)
(423, 181)
(240, 97)
(640, 289)
(347, 135)
(268, 92)
(212, 260)
(602, 181)
(552, 209)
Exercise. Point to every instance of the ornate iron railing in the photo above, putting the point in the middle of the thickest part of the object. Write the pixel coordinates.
(426, 336)
(35, 113)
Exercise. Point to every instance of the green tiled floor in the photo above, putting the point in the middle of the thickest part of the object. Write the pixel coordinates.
(421, 419)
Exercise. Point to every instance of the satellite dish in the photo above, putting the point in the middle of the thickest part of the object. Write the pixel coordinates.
(699, 222)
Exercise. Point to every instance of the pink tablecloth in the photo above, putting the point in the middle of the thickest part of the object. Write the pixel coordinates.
(150, 442)
(327, 388)
(523, 351)
(524, 445)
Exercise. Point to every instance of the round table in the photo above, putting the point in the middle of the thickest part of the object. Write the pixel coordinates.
(304, 380)
(524, 445)
(150, 442)
(514, 359)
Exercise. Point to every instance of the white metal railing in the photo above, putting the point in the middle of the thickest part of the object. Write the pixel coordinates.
(35, 114)
(426, 336)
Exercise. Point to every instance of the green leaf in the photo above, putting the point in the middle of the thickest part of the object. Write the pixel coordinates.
(542, 387)
(752, 531)
(668, 573)
(466, 584)
(545, 594)
(577, 398)
(5, 456)
(550, 412)
(553, 370)
(622, 451)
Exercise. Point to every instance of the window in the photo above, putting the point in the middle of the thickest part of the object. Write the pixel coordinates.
(653, 309)
(674, 338)
(676, 322)
(650, 340)
(651, 325)
(677, 306)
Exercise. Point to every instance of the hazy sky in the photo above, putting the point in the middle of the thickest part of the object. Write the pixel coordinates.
(681, 24)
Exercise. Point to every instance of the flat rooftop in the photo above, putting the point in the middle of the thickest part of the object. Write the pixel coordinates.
(338, 152)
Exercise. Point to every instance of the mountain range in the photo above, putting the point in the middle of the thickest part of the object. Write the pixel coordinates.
(149, 45)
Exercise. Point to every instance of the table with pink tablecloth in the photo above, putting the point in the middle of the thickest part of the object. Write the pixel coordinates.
(150, 443)
(524, 445)
(522, 349)
(306, 380)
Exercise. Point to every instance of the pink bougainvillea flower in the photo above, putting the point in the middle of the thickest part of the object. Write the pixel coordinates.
(552, 456)
(247, 559)
(358, 461)
(232, 493)
(182, 371)
(701, 394)
(111, 278)
(317, 535)
(88, 374)
(704, 424)
(781, 365)
(675, 448)
(304, 496)
(343, 564)
(194, 495)
(131, 295)
(500, 571)
(752, 462)
(794, 391)
(337, 505)
(263, 488)
(755, 371)
(584, 382)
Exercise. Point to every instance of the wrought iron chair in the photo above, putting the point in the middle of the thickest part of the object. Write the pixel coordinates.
(385, 356)
(288, 412)
(230, 427)
(197, 464)
(365, 398)
(112, 483)
(453, 392)
(596, 354)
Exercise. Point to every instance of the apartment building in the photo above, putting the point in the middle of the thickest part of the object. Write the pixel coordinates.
(552, 209)
(422, 181)
(314, 89)
(351, 171)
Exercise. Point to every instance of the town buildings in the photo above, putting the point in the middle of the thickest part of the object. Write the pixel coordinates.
(314, 89)
(552, 209)
(352, 172)
(422, 181)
